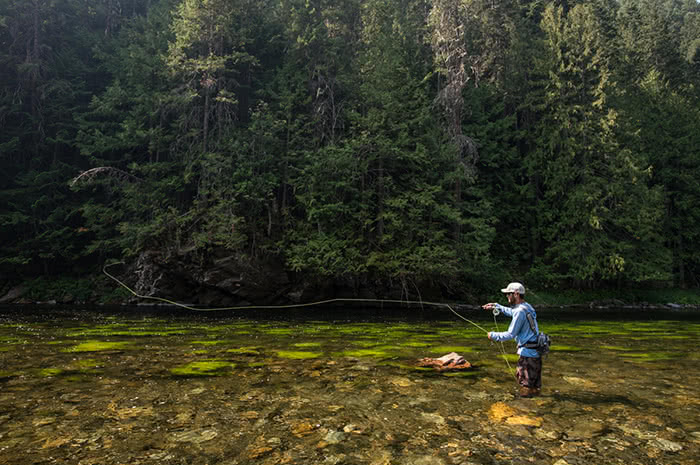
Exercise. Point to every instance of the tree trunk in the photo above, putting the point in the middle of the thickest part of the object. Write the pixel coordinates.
(458, 197)
(681, 265)
(380, 201)
(205, 122)
(34, 59)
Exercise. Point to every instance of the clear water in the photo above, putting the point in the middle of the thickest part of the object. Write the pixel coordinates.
(85, 387)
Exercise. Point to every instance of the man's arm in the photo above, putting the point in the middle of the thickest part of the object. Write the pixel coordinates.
(514, 328)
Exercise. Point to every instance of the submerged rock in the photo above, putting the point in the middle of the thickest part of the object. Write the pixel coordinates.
(424, 460)
(334, 459)
(302, 428)
(448, 362)
(334, 437)
(382, 457)
(580, 382)
(195, 436)
(586, 429)
(524, 420)
(401, 382)
(500, 412)
(665, 445)
(433, 418)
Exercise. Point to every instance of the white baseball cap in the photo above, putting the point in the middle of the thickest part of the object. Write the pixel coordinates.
(514, 287)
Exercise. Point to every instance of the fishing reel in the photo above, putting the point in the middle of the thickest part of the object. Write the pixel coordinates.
(496, 312)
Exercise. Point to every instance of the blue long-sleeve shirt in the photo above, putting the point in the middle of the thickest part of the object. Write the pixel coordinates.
(519, 328)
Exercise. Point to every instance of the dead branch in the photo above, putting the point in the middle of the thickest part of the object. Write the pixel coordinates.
(91, 174)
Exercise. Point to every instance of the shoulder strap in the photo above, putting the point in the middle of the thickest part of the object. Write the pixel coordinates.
(531, 320)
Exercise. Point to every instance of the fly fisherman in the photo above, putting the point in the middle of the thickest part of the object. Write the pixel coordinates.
(529, 372)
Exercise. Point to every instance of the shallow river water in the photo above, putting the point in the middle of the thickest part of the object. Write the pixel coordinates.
(89, 387)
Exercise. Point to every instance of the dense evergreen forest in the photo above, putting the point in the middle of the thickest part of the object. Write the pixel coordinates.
(445, 144)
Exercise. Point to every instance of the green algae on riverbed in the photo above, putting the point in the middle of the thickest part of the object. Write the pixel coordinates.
(447, 349)
(615, 348)
(306, 344)
(212, 342)
(564, 348)
(375, 353)
(50, 372)
(271, 393)
(204, 368)
(298, 354)
(245, 351)
(648, 356)
(96, 346)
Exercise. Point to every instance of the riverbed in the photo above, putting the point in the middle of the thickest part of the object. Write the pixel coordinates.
(86, 386)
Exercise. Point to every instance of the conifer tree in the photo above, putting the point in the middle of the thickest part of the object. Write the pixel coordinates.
(665, 126)
(596, 209)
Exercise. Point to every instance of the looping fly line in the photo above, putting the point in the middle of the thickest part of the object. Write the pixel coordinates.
(301, 305)
(280, 307)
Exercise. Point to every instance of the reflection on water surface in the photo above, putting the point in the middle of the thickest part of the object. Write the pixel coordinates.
(79, 387)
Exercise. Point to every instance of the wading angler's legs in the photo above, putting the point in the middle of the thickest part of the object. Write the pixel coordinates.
(529, 374)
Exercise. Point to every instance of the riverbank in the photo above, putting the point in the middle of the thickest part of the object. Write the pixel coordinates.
(100, 290)
(658, 298)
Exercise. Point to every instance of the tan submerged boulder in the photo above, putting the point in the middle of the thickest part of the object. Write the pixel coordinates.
(449, 362)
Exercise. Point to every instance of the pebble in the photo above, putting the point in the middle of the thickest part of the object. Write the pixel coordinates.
(579, 382)
(349, 428)
(433, 418)
(401, 382)
(257, 452)
(44, 421)
(665, 445)
(381, 458)
(334, 437)
(418, 400)
(334, 459)
(542, 434)
(636, 433)
(360, 368)
(302, 428)
(195, 436)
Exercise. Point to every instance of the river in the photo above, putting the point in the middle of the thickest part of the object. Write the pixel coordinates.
(154, 386)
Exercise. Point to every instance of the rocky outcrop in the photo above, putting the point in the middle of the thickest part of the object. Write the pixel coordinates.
(222, 279)
(217, 280)
(13, 294)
